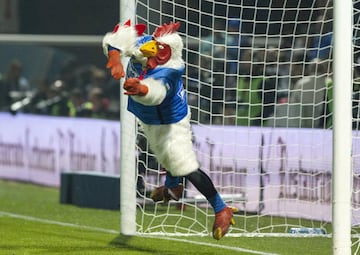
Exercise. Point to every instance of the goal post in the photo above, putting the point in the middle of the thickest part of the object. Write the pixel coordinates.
(342, 127)
(272, 126)
(128, 169)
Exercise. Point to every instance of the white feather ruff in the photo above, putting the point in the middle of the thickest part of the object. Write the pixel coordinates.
(172, 145)
(176, 44)
(123, 39)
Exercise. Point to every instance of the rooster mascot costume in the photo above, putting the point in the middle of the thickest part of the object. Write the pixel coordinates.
(157, 98)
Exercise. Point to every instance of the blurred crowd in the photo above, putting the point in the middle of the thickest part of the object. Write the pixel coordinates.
(231, 79)
(242, 81)
(85, 91)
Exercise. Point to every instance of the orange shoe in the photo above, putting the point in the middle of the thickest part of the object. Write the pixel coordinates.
(165, 194)
(158, 194)
(223, 220)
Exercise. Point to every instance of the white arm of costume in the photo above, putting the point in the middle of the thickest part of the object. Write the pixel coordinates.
(123, 39)
(156, 93)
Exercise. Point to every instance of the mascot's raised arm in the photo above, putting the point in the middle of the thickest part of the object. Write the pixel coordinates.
(158, 99)
(121, 42)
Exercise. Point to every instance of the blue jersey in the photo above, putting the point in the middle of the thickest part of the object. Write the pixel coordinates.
(173, 108)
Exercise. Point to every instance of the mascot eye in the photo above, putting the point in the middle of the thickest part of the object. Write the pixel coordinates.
(161, 47)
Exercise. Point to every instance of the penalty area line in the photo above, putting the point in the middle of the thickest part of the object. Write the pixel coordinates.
(112, 231)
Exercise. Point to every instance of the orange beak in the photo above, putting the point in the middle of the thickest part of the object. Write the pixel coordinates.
(149, 49)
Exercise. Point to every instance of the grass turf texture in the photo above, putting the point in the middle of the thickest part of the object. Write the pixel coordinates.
(94, 231)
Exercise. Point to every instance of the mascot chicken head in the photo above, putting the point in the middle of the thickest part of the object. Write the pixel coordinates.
(165, 49)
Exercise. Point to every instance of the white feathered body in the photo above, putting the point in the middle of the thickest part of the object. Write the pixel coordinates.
(171, 143)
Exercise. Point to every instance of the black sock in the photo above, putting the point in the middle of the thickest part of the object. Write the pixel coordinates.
(202, 183)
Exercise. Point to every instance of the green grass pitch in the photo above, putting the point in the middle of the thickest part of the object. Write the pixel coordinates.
(32, 221)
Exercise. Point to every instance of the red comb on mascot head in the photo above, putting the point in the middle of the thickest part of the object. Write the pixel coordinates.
(158, 99)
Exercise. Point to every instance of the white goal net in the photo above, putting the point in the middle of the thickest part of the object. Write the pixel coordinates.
(259, 81)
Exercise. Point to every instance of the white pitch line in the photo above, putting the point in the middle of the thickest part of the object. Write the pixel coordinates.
(214, 245)
(113, 231)
(59, 223)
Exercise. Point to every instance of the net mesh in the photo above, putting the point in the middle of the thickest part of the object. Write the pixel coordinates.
(259, 83)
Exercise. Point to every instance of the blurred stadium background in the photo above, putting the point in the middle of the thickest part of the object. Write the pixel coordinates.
(79, 65)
